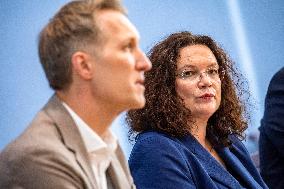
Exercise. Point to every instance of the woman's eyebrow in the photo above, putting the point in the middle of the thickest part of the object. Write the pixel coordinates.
(195, 67)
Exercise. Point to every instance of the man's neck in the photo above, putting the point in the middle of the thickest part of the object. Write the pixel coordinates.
(95, 114)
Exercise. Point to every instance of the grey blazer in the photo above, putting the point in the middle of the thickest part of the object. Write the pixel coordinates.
(50, 153)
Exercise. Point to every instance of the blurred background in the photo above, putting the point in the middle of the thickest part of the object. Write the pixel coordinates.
(250, 31)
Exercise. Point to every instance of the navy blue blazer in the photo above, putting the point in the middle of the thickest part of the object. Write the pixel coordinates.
(271, 140)
(158, 161)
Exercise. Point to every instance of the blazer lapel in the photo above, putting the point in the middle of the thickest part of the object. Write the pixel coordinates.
(118, 172)
(70, 135)
(238, 167)
(211, 166)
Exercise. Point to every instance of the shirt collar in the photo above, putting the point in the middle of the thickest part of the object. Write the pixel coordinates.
(93, 142)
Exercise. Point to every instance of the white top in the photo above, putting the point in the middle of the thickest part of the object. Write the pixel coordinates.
(100, 149)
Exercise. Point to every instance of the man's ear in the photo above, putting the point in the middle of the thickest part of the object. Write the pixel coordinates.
(82, 65)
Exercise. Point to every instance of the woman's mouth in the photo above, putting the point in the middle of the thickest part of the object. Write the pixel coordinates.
(207, 96)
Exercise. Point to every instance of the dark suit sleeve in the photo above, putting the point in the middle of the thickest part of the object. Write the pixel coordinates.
(276, 138)
(156, 163)
(273, 119)
(34, 170)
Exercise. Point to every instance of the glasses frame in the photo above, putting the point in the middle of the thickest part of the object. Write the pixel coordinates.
(221, 74)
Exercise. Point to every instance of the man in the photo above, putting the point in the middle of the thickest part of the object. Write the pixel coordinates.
(91, 57)
(271, 140)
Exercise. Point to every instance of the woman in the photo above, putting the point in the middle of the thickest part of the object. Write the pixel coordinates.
(190, 129)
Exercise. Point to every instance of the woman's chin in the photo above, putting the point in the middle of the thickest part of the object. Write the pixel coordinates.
(204, 113)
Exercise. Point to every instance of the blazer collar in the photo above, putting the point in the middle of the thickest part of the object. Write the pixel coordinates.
(235, 164)
(70, 134)
(213, 168)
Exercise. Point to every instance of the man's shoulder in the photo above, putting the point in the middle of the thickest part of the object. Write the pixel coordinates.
(40, 135)
(276, 83)
(50, 153)
(43, 132)
(40, 149)
(278, 76)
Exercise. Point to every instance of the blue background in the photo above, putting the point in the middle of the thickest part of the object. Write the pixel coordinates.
(250, 31)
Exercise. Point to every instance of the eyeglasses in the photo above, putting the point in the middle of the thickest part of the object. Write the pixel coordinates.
(192, 74)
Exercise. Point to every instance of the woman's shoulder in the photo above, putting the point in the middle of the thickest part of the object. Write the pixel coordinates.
(152, 134)
(153, 142)
(238, 145)
(154, 138)
(157, 157)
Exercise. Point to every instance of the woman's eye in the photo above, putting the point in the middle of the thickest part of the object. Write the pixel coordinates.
(188, 73)
(213, 71)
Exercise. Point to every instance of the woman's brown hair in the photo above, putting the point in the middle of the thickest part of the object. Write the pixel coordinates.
(165, 111)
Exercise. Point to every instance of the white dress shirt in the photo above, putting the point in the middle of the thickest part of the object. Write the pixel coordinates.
(100, 149)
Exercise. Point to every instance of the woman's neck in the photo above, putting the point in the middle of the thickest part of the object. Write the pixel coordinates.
(199, 132)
